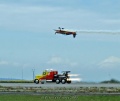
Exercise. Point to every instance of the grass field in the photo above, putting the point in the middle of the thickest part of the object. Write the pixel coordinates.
(11, 97)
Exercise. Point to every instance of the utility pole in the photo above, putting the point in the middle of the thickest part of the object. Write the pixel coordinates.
(22, 73)
(33, 70)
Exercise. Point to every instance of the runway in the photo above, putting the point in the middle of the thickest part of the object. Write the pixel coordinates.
(54, 85)
(66, 89)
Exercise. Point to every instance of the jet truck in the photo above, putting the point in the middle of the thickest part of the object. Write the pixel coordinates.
(53, 76)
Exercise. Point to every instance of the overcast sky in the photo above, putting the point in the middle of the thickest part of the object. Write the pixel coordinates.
(27, 39)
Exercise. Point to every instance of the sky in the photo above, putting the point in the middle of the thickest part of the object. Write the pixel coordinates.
(28, 42)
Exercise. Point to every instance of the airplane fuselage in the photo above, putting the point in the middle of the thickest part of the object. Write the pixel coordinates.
(65, 32)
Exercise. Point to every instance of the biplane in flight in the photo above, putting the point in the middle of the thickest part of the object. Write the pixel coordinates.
(65, 32)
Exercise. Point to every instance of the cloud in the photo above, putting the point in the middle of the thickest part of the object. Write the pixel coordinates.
(110, 62)
(3, 62)
(8, 63)
(26, 9)
(35, 18)
(15, 16)
(13, 64)
(26, 12)
(55, 60)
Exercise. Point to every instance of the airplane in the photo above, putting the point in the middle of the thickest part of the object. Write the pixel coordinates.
(65, 32)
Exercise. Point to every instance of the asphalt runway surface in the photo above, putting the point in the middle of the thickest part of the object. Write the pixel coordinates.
(53, 85)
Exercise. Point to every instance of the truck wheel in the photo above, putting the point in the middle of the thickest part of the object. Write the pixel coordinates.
(42, 82)
(63, 81)
(36, 81)
(57, 81)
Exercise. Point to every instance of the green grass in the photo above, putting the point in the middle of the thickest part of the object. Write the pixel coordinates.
(6, 97)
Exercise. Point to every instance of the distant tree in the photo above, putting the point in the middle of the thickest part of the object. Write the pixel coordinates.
(111, 81)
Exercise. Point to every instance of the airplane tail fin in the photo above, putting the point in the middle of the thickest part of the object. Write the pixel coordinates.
(74, 35)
